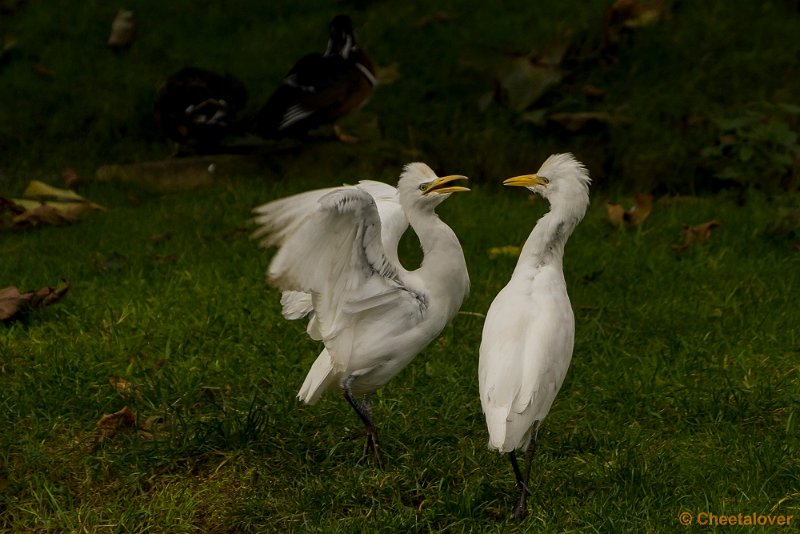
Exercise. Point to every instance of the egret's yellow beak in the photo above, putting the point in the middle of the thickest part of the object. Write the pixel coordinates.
(526, 180)
(438, 185)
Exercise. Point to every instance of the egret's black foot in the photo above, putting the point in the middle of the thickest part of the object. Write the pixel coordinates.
(521, 510)
(364, 413)
(372, 443)
(519, 514)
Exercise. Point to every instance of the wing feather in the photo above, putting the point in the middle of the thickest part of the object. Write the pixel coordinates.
(393, 219)
(279, 219)
(336, 254)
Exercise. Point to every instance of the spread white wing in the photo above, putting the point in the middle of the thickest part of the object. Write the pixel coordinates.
(336, 255)
(393, 219)
(281, 218)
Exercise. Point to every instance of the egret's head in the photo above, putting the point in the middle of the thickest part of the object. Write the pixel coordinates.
(562, 180)
(341, 39)
(419, 186)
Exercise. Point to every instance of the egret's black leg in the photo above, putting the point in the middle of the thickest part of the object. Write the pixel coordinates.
(364, 412)
(523, 477)
(521, 510)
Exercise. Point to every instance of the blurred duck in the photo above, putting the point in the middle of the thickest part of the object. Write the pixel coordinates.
(196, 108)
(320, 88)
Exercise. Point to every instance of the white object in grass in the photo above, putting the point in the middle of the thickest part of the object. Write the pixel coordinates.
(337, 263)
(529, 330)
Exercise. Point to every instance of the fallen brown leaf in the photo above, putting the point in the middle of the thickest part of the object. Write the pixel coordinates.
(592, 91)
(14, 302)
(112, 424)
(616, 214)
(695, 234)
(626, 15)
(123, 29)
(158, 238)
(633, 216)
(518, 81)
(70, 178)
(123, 386)
(43, 214)
(11, 207)
(154, 423)
(43, 204)
(43, 71)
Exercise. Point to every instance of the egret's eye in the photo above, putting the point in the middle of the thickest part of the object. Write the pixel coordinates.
(545, 180)
(423, 187)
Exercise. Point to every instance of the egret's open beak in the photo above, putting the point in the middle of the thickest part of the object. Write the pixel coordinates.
(438, 185)
(526, 180)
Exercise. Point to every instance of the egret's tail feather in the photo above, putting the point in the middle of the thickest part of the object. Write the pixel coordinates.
(496, 423)
(508, 430)
(318, 379)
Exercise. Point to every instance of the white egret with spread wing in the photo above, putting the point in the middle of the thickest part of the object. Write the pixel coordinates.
(529, 331)
(337, 262)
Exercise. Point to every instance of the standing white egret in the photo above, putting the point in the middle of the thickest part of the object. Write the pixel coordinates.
(337, 265)
(529, 331)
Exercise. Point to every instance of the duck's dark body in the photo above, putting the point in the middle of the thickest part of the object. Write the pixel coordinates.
(197, 108)
(320, 88)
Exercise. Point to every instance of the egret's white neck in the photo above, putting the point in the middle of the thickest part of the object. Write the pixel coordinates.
(545, 245)
(443, 269)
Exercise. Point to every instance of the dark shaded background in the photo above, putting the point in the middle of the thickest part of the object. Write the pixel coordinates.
(691, 96)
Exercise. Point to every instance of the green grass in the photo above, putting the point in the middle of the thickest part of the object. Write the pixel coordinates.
(684, 389)
(682, 395)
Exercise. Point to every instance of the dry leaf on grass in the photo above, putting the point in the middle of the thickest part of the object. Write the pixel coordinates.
(518, 81)
(42, 204)
(44, 71)
(633, 216)
(526, 81)
(626, 15)
(695, 234)
(70, 178)
(13, 302)
(155, 424)
(124, 387)
(44, 214)
(112, 424)
(123, 29)
(164, 236)
(37, 190)
(592, 91)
